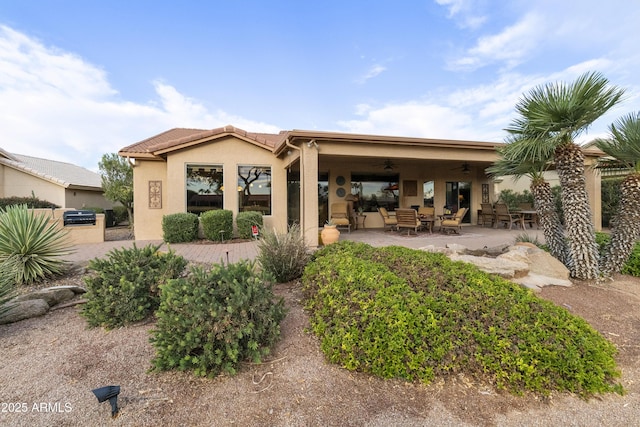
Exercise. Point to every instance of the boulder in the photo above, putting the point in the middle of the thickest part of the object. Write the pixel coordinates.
(502, 267)
(51, 296)
(545, 264)
(75, 289)
(537, 281)
(21, 310)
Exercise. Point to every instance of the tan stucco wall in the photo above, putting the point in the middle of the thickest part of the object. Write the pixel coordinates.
(80, 199)
(20, 184)
(229, 152)
(15, 183)
(147, 223)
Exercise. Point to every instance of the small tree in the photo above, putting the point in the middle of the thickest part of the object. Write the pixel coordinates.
(117, 181)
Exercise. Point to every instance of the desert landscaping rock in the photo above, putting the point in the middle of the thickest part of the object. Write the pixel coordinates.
(51, 296)
(24, 310)
(523, 263)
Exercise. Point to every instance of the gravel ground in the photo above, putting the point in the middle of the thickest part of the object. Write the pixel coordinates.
(50, 365)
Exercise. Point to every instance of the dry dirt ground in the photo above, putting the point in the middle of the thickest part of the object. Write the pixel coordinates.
(49, 365)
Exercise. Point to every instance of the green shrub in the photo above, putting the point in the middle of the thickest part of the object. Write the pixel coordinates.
(120, 213)
(398, 312)
(632, 266)
(180, 227)
(31, 202)
(245, 220)
(38, 245)
(212, 320)
(610, 196)
(283, 255)
(217, 225)
(513, 199)
(124, 287)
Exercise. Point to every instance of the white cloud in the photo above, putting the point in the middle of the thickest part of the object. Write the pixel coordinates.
(374, 71)
(511, 46)
(55, 105)
(463, 12)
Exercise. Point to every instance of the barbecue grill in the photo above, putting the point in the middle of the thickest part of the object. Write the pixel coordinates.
(79, 217)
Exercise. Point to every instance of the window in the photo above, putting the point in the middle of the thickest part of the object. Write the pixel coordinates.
(375, 190)
(254, 189)
(205, 188)
(427, 193)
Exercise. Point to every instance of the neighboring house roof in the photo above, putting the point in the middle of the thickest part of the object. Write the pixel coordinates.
(64, 174)
(179, 138)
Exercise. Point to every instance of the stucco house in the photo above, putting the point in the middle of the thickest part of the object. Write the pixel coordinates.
(296, 176)
(64, 184)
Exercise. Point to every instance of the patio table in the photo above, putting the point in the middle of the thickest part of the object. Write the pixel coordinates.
(523, 213)
(427, 221)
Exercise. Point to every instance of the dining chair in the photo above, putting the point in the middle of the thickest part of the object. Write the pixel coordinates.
(504, 215)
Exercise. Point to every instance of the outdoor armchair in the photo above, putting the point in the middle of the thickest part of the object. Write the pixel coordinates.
(408, 218)
(388, 221)
(455, 222)
(503, 215)
(340, 215)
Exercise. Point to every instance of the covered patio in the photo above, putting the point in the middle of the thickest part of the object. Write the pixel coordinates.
(325, 169)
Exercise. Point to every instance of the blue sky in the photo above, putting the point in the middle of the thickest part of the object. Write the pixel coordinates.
(82, 78)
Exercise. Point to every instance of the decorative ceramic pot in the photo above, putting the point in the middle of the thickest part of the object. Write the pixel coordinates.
(330, 234)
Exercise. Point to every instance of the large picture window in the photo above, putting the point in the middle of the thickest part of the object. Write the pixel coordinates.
(375, 190)
(205, 189)
(254, 189)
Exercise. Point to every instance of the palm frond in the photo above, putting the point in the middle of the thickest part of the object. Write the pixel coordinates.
(623, 145)
(558, 112)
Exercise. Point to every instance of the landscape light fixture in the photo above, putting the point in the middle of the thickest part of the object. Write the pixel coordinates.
(109, 393)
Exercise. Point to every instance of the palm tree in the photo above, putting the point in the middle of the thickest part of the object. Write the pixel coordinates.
(511, 164)
(550, 117)
(623, 146)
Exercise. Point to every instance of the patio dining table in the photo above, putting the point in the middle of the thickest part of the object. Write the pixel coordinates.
(427, 221)
(523, 214)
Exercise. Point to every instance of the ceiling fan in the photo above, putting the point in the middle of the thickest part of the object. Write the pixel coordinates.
(465, 168)
(387, 165)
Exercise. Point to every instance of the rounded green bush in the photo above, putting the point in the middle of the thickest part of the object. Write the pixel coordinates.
(212, 320)
(217, 225)
(124, 287)
(180, 227)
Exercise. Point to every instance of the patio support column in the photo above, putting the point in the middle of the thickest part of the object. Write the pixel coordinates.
(309, 193)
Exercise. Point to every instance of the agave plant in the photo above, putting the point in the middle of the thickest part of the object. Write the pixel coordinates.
(7, 284)
(36, 246)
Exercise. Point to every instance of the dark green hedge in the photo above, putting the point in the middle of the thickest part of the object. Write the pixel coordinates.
(180, 227)
(217, 225)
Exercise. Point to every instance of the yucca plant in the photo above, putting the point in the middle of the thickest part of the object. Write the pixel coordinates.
(37, 245)
(7, 284)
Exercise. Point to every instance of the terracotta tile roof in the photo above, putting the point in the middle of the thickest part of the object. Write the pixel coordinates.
(179, 137)
(60, 173)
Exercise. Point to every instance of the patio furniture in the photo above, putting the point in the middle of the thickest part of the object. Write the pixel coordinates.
(427, 216)
(529, 214)
(503, 215)
(340, 215)
(388, 221)
(454, 223)
(487, 214)
(408, 218)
